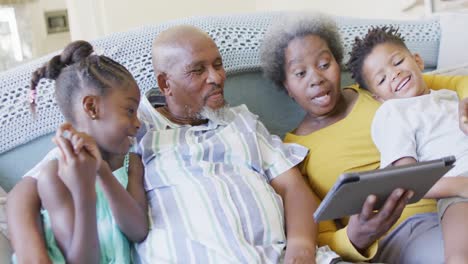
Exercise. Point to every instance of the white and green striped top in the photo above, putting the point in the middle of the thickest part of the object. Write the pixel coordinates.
(209, 192)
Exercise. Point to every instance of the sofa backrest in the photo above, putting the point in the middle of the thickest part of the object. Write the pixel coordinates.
(238, 38)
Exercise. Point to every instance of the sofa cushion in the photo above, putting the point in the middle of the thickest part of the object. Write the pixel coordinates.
(15, 162)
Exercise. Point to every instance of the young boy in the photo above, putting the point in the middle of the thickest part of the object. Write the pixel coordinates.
(422, 125)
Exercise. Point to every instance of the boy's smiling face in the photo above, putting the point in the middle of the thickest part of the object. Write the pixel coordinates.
(391, 71)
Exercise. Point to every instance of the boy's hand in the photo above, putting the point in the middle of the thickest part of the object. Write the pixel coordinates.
(299, 252)
(463, 115)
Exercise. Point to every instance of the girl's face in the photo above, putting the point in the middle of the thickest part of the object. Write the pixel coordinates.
(312, 75)
(117, 123)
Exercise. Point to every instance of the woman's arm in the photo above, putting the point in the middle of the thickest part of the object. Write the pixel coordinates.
(456, 83)
(25, 229)
(129, 207)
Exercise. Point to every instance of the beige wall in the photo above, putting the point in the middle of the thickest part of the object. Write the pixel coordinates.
(42, 42)
(86, 19)
(110, 16)
(355, 8)
(124, 14)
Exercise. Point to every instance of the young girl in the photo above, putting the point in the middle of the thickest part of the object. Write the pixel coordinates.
(90, 188)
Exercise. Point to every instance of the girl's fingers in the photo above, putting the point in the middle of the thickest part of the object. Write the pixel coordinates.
(66, 148)
(75, 140)
(64, 127)
(78, 145)
(61, 157)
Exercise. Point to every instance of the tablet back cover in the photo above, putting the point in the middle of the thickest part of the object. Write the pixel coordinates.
(351, 190)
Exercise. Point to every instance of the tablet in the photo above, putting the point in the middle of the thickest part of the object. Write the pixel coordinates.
(350, 191)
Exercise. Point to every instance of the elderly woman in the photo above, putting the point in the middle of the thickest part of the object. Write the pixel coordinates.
(302, 55)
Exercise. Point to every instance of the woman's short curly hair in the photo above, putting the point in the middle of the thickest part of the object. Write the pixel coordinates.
(363, 47)
(292, 26)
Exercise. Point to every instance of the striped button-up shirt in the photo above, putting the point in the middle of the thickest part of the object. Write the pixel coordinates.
(208, 190)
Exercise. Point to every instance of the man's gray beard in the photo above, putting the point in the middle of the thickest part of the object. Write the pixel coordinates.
(220, 115)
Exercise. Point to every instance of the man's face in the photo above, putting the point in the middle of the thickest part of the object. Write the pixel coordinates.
(197, 77)
(391, 71)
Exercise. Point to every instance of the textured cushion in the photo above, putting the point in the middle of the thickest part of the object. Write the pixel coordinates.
(238, 38)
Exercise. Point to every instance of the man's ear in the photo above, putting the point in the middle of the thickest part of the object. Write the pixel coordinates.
(90, 105)
(163, 84)
(419, 61)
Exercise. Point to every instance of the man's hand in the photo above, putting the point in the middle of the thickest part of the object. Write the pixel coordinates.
(368, 226)
(463, 115)
(299, 252)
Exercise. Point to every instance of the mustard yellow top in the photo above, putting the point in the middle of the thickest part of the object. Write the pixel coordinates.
(347, 146)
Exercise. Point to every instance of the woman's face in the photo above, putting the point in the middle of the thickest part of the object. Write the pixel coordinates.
(312, 75)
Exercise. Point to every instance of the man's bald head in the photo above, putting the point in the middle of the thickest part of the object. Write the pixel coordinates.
(168, 44)
(189, 70)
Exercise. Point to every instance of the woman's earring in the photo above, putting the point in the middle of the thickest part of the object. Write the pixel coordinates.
(93, 116)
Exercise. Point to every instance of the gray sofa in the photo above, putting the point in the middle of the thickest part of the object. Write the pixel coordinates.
(25, 140)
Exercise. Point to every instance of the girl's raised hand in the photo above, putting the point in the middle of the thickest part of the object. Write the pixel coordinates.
(76, 170)
(80, 140)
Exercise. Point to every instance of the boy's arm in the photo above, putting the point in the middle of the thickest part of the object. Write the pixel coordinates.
(445, 187)
(23, 207)
(299, 206)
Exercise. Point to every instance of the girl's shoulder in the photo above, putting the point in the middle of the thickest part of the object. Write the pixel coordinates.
(48, 164)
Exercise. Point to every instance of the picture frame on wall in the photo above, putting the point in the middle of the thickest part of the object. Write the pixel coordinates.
(56, 21)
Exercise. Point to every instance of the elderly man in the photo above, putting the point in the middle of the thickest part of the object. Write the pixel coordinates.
(221, 189)
(212, 171)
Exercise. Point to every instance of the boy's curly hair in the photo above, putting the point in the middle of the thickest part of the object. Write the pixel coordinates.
(363, 47)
